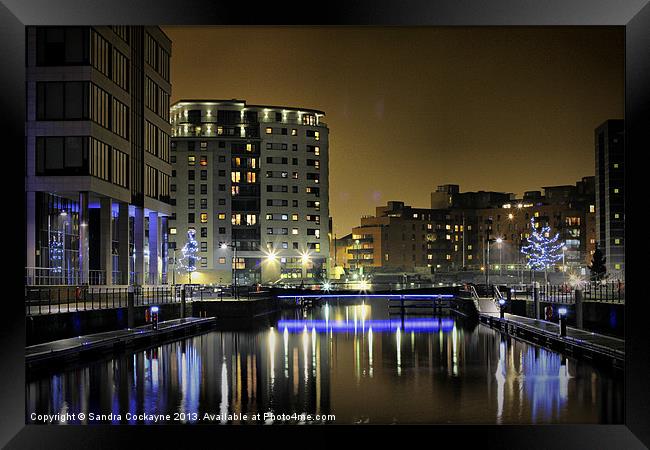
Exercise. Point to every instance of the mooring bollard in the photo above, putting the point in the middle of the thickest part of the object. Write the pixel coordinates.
(130, 310)
(183, 301)
(578, 305)
(562, 314)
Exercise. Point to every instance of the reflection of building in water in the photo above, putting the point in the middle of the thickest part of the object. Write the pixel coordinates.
(265, 372)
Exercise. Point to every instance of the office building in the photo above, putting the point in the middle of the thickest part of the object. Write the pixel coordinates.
(97, 154)
(252, 182)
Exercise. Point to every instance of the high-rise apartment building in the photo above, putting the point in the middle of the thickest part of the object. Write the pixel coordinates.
(252, 182)
(610, 205)
(97, 154)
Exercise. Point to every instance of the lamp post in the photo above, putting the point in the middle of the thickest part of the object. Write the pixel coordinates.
(358, 263)
(225, 245)
(499, 241)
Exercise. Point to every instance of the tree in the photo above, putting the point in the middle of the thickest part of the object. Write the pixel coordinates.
(189, 250)
(597, 267)
(542, 250)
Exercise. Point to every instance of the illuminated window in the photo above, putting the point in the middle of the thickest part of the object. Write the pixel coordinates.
(204, 217)
(204, 160)
(469, 257)
(251, 219)
(536, 214)
(617, 266)
(172, 230)
(222, 260)
(294, 231)
(249, 147)
(317, 135)
(221, 216)
(592, 208)
(294, 217)
(615, 165)
(617, 241)
(294, 132)
(616, 216)
(469, 247)
(615, 190)
(236, 219)
(269, 130)
(251, 177)
(191, 160)
(235, 177)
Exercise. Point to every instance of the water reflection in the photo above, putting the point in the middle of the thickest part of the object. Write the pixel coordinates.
(354, 361)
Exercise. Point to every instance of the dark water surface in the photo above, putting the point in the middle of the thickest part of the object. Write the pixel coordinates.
(350, 359)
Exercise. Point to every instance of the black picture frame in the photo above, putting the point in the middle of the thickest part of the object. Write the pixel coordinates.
(634, 15)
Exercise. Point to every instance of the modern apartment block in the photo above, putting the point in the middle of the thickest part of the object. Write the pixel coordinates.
(610, 205)
(97, 154)
(252, 181)
(455, 233)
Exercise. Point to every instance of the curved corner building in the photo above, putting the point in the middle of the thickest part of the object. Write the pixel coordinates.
(252, 181)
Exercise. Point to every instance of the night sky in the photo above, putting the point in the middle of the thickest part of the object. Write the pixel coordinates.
(504, 109)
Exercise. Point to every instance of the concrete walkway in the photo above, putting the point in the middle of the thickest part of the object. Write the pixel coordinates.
(575, 334)
(72, 346)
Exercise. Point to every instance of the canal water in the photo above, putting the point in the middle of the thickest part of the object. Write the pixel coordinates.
(351, 359)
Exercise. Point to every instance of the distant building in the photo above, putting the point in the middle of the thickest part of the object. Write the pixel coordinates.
(610, 206)
(455, 238)
(251, 179)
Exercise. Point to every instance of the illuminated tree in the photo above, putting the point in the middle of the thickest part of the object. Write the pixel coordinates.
(542, 250)
(189, 250)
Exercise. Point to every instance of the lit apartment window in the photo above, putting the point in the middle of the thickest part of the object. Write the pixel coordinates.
(317, 135)
(536, 214)
(204, 160)
(269, 130)
(204, 217)
(294, 132)
(615, 165)
(221, 216)
(294, 231)
(269, 217)
(191, 160)
(235, 177)
(592, 208)
(222, 260)
(249, 147)
(617, 266)
(615, 190)
(617, 241)
(172, 230)
(251, 177)
(469, 257)
(294, 217)
(616, 216)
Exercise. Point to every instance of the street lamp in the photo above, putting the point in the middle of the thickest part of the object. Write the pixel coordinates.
(225, 245)
(305, 258)
(499, 241)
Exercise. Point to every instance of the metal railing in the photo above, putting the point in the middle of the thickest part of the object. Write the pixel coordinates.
(52, 276)
(609, 292)
(61, 299)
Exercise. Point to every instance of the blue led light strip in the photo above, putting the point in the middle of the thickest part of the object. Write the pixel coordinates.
(321, 326)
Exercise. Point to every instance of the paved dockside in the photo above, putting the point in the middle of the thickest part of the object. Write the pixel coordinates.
(71, 346)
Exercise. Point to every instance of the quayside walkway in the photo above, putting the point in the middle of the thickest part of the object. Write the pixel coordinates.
(74, 347)
(576, 342)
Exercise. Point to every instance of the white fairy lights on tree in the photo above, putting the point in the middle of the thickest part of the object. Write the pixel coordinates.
(189, 250)
(542, 250)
